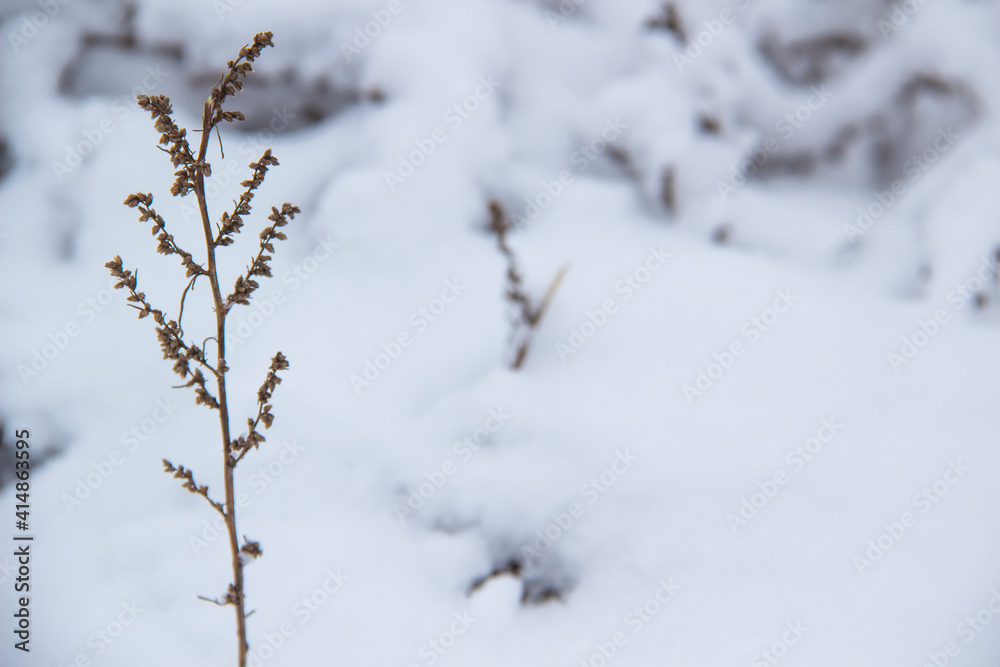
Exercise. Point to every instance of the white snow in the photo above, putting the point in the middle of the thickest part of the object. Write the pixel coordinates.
(715, 437)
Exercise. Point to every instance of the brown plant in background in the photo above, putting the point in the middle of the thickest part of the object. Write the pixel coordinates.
(668, 19)
(527, 315)
(668, 189)
(191, 362)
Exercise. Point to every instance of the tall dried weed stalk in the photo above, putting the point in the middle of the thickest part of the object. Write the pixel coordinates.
(190, 361)
(525, 314)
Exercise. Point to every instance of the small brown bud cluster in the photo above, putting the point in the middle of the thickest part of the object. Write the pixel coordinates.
(251, 549)
(243, 444)
(166, 245)
(245, 284)
(180, 472)
(232, 223)
(180, 153)
(230, 81)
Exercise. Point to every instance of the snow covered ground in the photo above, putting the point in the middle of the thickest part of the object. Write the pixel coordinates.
(756, 426)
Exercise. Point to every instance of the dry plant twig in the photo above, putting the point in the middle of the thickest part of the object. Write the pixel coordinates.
(527, 316)
(189, 359)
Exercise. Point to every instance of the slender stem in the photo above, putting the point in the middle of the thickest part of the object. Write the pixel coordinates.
(220, 337)
(180, 315)
(548, 295)
(250, 429)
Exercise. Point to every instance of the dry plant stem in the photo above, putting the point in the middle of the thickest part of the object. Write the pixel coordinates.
(191, 178)
(522, 352)
(220, 338)
(527, 315)
(549, 293)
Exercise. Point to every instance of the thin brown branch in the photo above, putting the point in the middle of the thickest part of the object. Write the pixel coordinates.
(242, 445)
(527, 315)
(180, 314)
(549, 294)
(167, 245)
(232, 223)
(213, 600)
(180, 472)
(259, 267)
(168, 332)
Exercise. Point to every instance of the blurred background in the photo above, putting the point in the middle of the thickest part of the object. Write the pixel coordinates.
(755, 423)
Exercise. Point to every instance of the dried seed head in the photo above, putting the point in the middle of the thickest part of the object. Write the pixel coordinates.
(251, 549)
